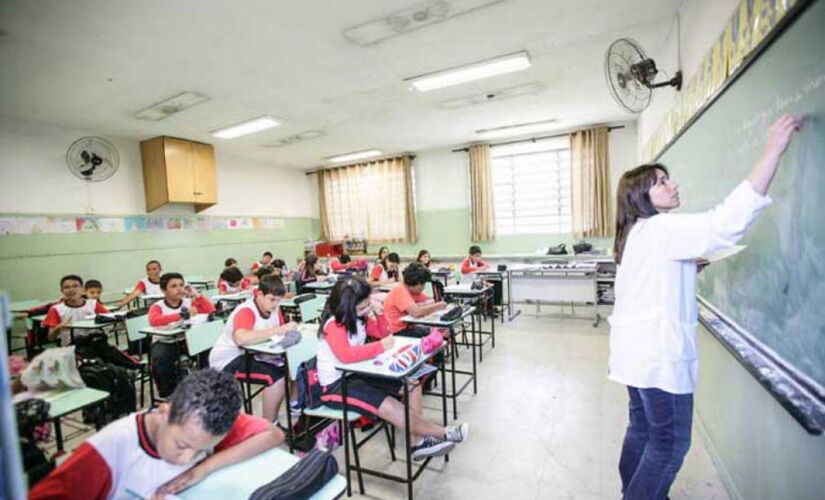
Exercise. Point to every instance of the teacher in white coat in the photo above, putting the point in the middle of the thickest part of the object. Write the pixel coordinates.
(653, 344)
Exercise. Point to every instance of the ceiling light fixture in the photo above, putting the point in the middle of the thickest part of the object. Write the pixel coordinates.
(176, 104)
(247, 127)
(410, 19)
(519, 129)
(358, 155)
(470, 72)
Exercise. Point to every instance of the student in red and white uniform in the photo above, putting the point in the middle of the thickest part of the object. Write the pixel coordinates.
(386, 272)
(472, 264)
(266, 258)
(232, 280)
(200, 430)
(348, 321)
(180, 303)
(409, 298)
(72, 307)
(150, 285)
(311, 272)
(256, 320)
(340, 264)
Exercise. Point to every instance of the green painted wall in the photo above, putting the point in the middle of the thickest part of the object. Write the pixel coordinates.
(760, 451)
(447, 232)
(31, 265)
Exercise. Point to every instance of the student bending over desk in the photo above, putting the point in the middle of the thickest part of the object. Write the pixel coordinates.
(253, 322)
(386, 271)
(346, 324)
(199, 431)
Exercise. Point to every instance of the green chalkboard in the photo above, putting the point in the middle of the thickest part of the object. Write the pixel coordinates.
(775, 289)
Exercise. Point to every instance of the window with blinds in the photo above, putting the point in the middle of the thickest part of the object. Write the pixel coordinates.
(532, 192)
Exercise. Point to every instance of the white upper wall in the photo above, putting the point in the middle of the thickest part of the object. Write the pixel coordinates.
(702, 22)
(36, 180)
(441, 180)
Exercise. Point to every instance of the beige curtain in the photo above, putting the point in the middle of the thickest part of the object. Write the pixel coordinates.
(371, 200)
(481, 193)
(590, 179)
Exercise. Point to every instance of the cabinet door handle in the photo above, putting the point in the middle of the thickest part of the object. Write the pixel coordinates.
(198, 192)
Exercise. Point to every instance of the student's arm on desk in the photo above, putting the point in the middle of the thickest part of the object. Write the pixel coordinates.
(137, 292)
(157, 318)
(421, 310)
(244, 332)
(248, 437)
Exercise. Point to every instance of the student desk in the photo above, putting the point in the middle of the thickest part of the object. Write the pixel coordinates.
(271, 347)
(370, 368)
(320, 286)
(241, 479)
(165, 332)
(231, 300)
(20, 309)
(559, 282)
(200, 282)
(500, 277)
(145, 300)
(65, 401)
(443, 276)
(478, 298)
(434, 320)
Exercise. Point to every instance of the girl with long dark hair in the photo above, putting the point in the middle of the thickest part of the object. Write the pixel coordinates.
(347, 322)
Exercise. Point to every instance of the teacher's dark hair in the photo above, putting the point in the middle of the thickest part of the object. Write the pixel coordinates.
(633, 202)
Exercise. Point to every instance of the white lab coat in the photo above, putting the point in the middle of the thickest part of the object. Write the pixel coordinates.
(653, 339)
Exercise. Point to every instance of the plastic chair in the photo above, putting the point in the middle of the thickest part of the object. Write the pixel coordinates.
(311, 309)
(202, 337)
(304, 351)
(133, 334)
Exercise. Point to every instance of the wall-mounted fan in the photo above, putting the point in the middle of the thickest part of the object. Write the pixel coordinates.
(92, 159)
(630, 75)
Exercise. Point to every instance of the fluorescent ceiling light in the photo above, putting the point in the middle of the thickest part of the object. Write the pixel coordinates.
(306, 135)
(248, 127)
(360, 155)
(411, 18)
(492, 96)
(471, 72)
(520, 129)
(176, 104)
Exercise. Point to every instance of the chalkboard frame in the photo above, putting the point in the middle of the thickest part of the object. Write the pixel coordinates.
(798, 394)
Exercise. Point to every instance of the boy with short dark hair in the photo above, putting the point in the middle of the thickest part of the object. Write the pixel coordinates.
(409, 298)
(199, 431)
(232, 281)
(256, 320)
(72, 307)
(180, 302)
(93, 289)
(266, 258)
(472, 264)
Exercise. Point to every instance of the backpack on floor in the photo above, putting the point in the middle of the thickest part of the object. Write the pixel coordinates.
(116, 381)
(309, 387)
(302, 480)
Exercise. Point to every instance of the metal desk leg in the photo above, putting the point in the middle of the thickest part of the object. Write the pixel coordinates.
(407, 438)
(58, 435)
(289, 436)
(345, 432)
(247, 400)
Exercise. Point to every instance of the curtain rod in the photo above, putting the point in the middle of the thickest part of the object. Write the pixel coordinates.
(371, 160)
(533, 139)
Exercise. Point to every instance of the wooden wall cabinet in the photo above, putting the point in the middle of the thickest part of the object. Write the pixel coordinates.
(178, 171)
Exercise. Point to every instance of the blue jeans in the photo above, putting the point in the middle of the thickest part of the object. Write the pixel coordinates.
(656, 442)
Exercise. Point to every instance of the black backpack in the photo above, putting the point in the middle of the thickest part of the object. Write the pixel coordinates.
(113, 379)
(302, 480)
(309, 387)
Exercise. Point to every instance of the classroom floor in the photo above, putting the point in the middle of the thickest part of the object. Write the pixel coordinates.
(545, 424)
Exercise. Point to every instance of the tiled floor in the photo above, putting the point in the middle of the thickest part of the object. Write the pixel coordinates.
(545, 424)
